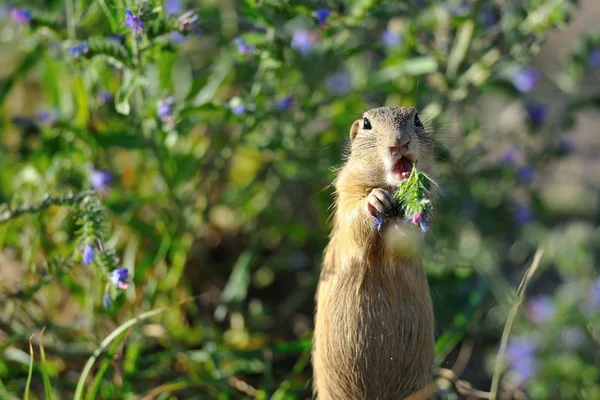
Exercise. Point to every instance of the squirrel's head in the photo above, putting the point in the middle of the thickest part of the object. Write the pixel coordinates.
(386, 142)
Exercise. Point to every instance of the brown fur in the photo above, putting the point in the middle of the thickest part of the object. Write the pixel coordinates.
(374, 321)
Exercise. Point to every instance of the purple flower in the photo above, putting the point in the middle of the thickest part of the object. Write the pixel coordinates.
(321, 16)
(379, 220)
(188, 23)
(133, 22)
(165, 110)
(303, 41)
(118, 278)
(80, 49)
(173, 7)
(565, 144)
(522, 214)
(104, 96)
(391, 38)
(100, 180)
(177, 37)
(424, 225)
(510, 155)
(338, 83)
(243, 47)
(526, 174)
(416, 219)
(106, 299)
(117, 38)
(285, 103)
(594, 58)
(46, 118)
(526, 80)
(238, 109)
(536, 112)
(20, 15)
(520, 357)
(540, 309)
(88, 254)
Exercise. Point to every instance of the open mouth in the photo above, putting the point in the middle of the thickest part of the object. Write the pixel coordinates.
(402, 168)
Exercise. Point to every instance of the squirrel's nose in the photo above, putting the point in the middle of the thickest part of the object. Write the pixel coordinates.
(400, 145)
(399, 150)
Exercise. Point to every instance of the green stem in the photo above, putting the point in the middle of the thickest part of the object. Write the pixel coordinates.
(70, 10)
(67, 199)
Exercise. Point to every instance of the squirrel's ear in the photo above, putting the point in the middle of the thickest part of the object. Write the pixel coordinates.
(354, 129)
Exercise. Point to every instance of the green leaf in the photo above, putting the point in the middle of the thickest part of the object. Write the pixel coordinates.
(30, 373)
(220, 71)
(28, 63)
(414, 67)
(130, 83)
(119, 139)
(237, 286)
(44, 369)
(113, 335)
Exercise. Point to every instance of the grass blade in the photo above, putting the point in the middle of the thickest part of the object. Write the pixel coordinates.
(510, 319)
(97, 381)
(28, 385)
(43, 366)
(122, 328)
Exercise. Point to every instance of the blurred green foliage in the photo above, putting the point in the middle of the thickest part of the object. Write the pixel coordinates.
(198, 156)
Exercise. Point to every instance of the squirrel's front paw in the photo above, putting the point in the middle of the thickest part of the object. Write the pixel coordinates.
(379, 202)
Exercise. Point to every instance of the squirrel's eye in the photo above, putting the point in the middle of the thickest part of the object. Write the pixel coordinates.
(366, 123)
(418, 123)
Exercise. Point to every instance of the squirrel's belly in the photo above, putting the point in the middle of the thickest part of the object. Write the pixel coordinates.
(372, 345)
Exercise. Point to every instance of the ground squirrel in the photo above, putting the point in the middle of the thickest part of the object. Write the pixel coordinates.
(374, 324)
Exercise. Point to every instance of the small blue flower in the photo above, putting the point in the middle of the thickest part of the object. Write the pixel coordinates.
(106, 299)
(594, 58)
(133, 22)
(536, 112)
(391, 38)
(80, 49)
(117, 38)
(510, 155)
(88, 254)
(303, 41)
(21, 15)
(285, 103)
(47, 118)
(424, 225)
(164, 109)
(522, 214)
(189, 23)
(540, 309)
(526, 80)
(238, 109)
(338, 83)
(379, 220)
(118, 278)
(565, 144)
(177, 37)
(321, 16)
(526, 174)
(173, 7)
(104, 96)
(243, 47)
(100, 180)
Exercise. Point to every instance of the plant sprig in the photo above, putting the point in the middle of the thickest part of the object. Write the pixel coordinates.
(412, 199)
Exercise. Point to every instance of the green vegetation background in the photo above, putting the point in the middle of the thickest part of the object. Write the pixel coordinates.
(220, 153)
